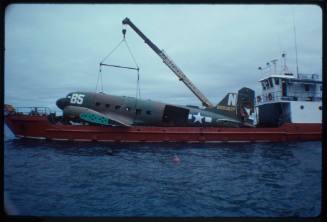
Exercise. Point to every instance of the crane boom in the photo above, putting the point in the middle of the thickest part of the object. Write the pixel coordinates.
(173, 67)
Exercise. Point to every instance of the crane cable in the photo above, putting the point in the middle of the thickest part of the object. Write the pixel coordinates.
(100, 73)
(138, 90)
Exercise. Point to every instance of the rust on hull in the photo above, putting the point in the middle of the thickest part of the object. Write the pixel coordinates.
(38, 127)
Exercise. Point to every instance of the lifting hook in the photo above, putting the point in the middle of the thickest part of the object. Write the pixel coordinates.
(124, 32)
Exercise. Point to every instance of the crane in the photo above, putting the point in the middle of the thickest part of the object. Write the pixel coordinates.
(170, 63)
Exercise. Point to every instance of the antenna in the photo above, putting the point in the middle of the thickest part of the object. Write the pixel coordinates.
(274, 62)
(294, 29)
(268, 66)
(284, 60)
(261, 70)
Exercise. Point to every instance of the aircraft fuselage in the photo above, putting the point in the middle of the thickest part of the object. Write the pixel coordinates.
(131, 111)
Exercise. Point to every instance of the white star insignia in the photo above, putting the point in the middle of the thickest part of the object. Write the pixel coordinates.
(198, 118)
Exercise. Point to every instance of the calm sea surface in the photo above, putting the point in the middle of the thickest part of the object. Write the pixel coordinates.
(44, 178)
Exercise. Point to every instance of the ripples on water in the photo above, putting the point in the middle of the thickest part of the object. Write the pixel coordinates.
(45, 178)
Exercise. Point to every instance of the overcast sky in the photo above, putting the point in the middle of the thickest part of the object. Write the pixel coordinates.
(51, 50)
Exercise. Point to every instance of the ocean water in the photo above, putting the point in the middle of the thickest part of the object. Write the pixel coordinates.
(44, 178)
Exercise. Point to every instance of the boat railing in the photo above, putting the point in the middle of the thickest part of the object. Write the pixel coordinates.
(309, 76)
(277, 96)
(33, 111)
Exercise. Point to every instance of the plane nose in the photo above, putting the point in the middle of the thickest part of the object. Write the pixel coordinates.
(61, 103)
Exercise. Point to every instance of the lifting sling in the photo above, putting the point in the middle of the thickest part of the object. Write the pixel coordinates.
(138, 93)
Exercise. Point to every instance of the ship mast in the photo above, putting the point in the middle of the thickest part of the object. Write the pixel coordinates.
(295, 44)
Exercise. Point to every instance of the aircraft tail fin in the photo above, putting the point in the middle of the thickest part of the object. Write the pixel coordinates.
(229, 100)
(238, 105)
(228, 105)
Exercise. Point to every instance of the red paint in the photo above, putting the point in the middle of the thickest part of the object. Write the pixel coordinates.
(39, 126)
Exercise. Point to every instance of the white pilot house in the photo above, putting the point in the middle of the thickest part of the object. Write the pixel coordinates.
(289, 98)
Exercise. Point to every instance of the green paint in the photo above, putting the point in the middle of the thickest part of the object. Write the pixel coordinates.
(94, 118)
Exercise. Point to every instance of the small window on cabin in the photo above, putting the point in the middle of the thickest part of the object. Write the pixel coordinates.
(138, 111)
(320, 108)
(148, 112)
(270, 82)
(117, 107)
(127, 108)
(302, 107)
(306, 87)
(263, 86)
(276, 81)
(97, 104)
(320, 88)
(267, 84)
(107, 105)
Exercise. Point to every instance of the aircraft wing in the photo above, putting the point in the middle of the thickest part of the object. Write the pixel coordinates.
(93, 116)
(119, 118)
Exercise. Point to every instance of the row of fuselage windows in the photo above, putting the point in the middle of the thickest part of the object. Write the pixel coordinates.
(119, 107)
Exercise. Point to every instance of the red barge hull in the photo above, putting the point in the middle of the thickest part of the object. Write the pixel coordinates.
(38, 127)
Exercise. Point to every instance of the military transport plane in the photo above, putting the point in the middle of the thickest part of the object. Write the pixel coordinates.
(103, 109)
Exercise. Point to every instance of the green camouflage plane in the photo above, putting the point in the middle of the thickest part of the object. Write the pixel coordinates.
(234, 110)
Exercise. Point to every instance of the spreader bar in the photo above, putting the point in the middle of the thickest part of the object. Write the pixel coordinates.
(122, 67)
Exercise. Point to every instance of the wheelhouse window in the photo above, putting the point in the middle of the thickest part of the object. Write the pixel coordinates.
(117, 107)
(127, 108)
(107, 105)
(276, 81)
(97, 104)
(271, 82)
(306, 87)
(263, 86)
(148, 112)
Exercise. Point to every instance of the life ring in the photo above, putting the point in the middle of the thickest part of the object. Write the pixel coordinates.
(258, 99)
(269, 96)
